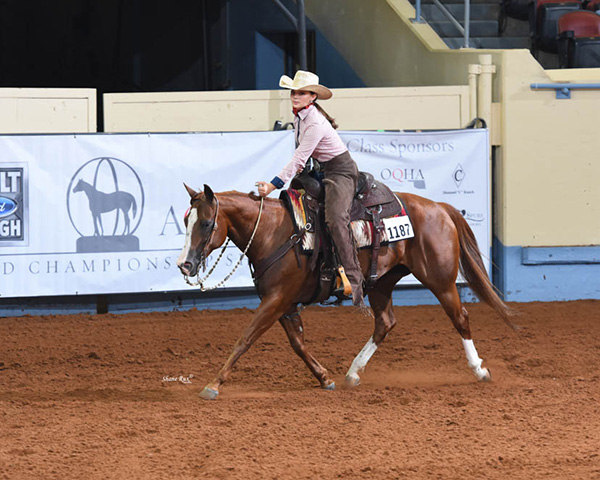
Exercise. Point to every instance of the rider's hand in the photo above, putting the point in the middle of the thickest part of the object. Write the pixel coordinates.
(265, 188)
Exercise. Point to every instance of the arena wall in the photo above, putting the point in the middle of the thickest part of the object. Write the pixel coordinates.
(355, 108)
(47, 110)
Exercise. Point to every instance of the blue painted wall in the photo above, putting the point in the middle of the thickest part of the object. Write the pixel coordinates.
(179, 301)
(529, 274)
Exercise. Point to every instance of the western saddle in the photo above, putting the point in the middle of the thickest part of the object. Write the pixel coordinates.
(372, 202)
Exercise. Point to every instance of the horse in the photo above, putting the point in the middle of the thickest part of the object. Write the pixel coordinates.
(443, 244)
(101, 202)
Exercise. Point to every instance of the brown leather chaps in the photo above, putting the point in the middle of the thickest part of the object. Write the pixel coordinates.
(341, 176)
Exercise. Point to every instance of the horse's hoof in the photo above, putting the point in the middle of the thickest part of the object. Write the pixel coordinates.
(352, 381)
(331, 386)
(209, 394)
(485, 375)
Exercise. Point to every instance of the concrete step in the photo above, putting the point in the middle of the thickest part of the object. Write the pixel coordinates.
(479, 28)
(478, 12)
(489, 42)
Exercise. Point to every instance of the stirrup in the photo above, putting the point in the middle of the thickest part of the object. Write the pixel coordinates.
(342, 283)
(343, 288)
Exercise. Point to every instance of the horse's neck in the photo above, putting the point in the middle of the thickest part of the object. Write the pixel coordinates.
(88, 189)
(242, 214)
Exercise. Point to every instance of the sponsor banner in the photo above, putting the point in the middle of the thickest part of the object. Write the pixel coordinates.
(444, 166)
(103, 213)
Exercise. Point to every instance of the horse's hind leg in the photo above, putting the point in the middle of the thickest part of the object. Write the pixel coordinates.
(292, 324)
(380, 299)
(126, 218)
(450, 300)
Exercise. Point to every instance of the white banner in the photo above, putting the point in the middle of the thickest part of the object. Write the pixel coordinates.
(445, 166)
(55, 240)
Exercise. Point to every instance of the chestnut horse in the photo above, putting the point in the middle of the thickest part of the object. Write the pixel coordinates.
(442, 244)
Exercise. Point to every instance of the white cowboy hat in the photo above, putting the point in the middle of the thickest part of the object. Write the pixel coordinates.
(306, 81)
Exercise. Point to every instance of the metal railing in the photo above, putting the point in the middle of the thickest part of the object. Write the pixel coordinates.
(464, 31)
(563, 90)
(299, 23)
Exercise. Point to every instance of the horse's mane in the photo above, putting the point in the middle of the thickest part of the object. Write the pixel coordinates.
(253, 195)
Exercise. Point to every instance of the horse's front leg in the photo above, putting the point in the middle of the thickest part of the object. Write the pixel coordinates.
(292, 324)
(96, 228)
(270, 309)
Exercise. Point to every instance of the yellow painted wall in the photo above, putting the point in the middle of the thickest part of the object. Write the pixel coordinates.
(47, 110)
(194, 111)
(550, 158)
(354, 109)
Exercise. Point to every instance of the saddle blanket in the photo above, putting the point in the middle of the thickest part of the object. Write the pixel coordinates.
(395, 228)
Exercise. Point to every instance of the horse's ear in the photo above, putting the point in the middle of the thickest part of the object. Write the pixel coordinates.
(209, 194)
(190, 190)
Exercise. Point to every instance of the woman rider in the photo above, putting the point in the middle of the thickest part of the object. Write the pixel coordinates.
(316, 137)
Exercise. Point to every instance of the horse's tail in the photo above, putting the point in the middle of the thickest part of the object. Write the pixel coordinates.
(134, 207)
(472, 268)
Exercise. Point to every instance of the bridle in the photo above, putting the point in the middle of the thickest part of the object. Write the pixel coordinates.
(203, 256)
(213, 229)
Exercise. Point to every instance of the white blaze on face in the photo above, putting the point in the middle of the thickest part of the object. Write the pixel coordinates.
(192, 219)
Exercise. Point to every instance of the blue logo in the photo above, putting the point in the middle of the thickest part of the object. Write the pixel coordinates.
(14, 204)
(8, 206)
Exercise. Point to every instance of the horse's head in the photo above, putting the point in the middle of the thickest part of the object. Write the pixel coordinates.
(202, 231)
(79, 186)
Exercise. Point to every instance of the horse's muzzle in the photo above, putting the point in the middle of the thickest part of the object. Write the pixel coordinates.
(187, 268)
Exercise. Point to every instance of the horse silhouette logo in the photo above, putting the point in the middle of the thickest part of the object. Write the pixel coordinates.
(101, 202)
(114, 207)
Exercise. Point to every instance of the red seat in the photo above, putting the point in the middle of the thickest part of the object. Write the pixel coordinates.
(582, 23)
(579, 40)
(544, 22)
(594, 5)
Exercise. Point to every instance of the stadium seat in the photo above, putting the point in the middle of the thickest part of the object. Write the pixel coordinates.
(579, 40)
(594, 5)
(543, 21)
(518, 9)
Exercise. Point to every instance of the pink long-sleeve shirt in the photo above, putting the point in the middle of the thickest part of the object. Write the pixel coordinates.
(316, 138)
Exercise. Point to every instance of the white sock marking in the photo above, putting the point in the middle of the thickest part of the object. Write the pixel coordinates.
(473, 359)
(361, 360)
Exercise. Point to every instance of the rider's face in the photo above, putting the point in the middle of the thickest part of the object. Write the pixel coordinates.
(302, 98)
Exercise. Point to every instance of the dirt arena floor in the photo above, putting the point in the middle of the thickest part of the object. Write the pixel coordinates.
(115, 397)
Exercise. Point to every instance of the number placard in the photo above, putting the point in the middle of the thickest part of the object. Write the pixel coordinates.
(398, 228)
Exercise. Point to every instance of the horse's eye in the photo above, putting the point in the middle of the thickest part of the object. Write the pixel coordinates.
(205, 224)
